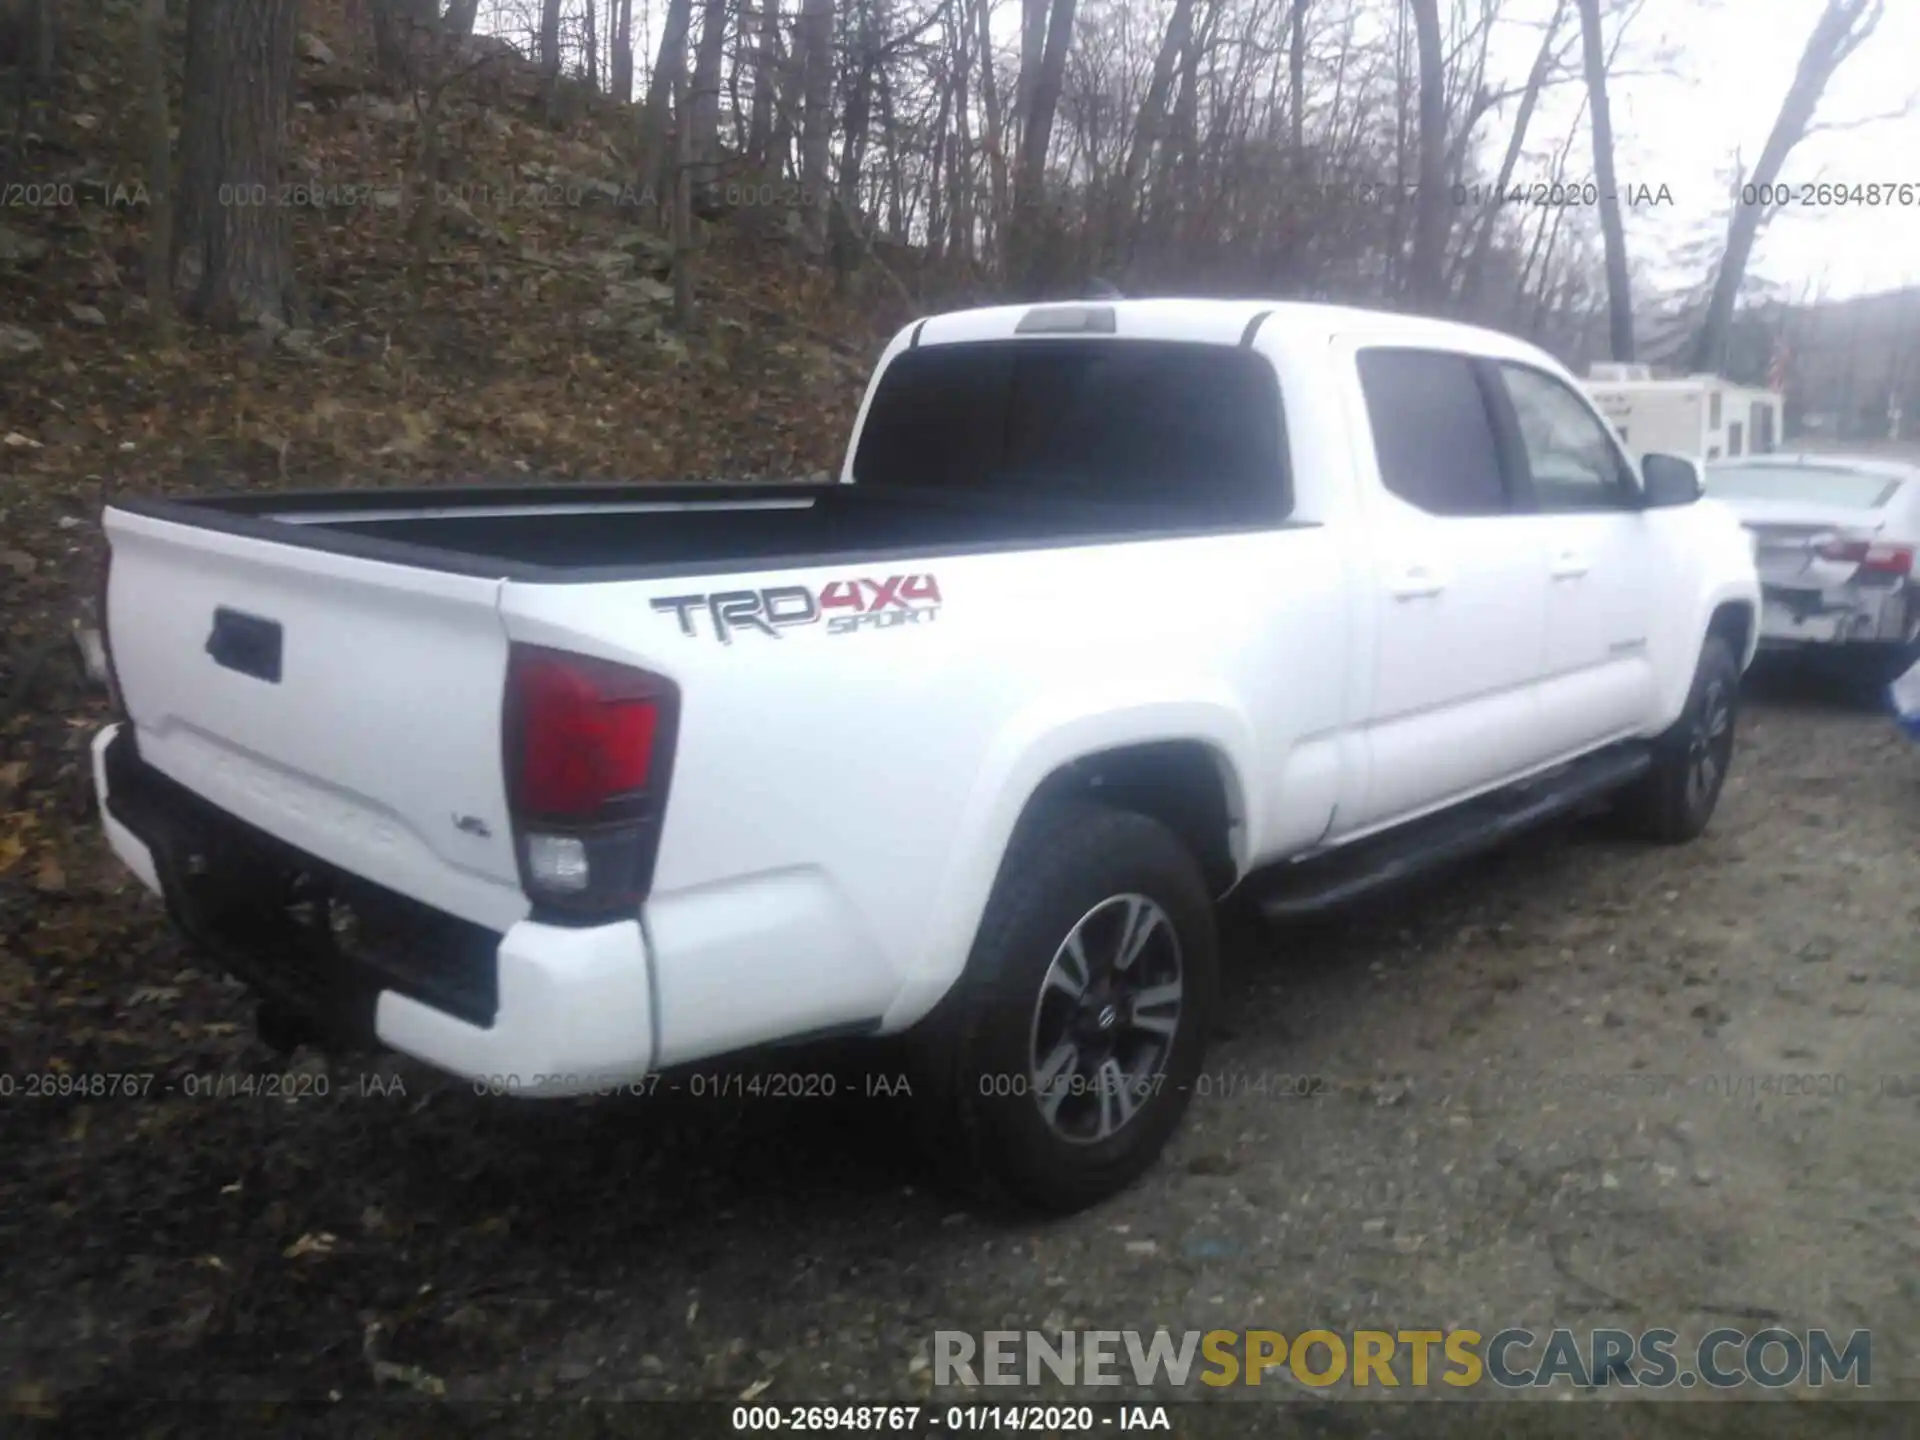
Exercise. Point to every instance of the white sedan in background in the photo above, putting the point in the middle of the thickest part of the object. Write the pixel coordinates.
(1835, 540)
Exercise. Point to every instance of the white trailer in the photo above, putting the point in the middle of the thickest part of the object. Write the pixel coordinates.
(1699, 416)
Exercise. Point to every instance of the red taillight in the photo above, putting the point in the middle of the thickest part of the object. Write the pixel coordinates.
(586, 733)
(1888, 559)
(1882, 559)
(589, 751)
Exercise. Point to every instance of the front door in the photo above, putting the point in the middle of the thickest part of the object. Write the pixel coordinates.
(1602, 564)
(1458, 594)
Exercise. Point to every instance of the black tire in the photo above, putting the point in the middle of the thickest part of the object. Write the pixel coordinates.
(1673, 801)
(1071, 869)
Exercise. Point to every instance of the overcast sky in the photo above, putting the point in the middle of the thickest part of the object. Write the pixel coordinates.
(1735, 59)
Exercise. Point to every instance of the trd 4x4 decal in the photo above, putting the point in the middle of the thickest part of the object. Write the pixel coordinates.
(845, 605)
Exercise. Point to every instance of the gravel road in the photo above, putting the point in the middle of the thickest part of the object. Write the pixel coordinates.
(1582, 1083)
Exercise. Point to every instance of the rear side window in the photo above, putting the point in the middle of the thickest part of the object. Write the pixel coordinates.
(1131, 421)
(1431, 431)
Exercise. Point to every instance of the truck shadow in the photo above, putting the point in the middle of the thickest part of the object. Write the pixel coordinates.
(1813, 684)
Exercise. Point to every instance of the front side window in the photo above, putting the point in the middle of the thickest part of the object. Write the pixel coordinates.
(1572, 459)
(1431, 431)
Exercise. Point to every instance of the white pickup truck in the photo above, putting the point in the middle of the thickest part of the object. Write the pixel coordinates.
(1114, 609)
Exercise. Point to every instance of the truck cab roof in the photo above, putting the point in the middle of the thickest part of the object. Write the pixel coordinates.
(1218, 322)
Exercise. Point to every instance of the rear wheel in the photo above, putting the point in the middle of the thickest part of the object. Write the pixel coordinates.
(1675, 799)
(1065, 1056)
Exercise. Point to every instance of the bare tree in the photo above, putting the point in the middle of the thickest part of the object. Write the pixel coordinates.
(243, 64)
(1843, 26)
(590, 42)
(1426, 277)
(669, 62)
(153, 84)
(993, 138)
(401, 26)
(1297, 76)
(683, 212)
(1153, 118)
(550, 38)
(1619, 279)
(1545, 60)
(704, 99)
(28, 45)
(815, 46)
(1036, 134)
(766, 70)
(620, 64)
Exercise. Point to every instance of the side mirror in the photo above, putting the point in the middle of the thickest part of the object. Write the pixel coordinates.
(1670, 480)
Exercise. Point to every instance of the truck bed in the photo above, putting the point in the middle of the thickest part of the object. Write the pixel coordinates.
(603, 532)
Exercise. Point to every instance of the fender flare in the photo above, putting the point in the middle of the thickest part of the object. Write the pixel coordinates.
(1034, 746)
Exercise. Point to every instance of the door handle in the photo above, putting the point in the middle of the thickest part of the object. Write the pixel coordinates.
(1569, 565)
(1417, 582)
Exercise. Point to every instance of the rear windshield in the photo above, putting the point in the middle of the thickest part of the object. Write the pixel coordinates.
(1137, 422)
(1826, 484)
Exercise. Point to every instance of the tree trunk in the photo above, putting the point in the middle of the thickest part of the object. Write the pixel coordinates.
(590, 28)
(1178, 139)
(1035, 135)
(620, 62)
(199, 139)
(153, 84)
(1619, 280)
(856, 110)
(1426, 273)
(683, 211)
(460, 17)
(389, 39)
(247, 55)
(1842, 26)
(1153, 108)
(668, 63)
(46, 47)
(704, 99)
(941, 191)
(1297, 78)
(1033, 45)
(816, 118)
(990, 111)
(960, 165)
(550, 39)
(766, 70)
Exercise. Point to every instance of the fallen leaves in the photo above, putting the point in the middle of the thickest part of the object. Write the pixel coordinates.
(320, 1243)
(14, 828)
(386, 1372)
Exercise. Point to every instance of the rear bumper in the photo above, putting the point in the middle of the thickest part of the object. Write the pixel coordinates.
(1792, 618)
(536, 1010)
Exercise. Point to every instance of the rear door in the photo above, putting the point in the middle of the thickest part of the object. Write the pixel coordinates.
(1459, 593)
(350, 707)
(1597, 679)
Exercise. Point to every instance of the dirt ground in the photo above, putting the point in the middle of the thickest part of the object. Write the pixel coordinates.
(1551, 1091)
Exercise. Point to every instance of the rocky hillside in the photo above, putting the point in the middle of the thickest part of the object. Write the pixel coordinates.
(531, 334)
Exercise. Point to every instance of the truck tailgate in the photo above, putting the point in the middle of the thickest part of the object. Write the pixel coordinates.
(349, 707)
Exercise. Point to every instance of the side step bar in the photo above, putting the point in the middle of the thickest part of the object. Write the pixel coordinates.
(1340, 877)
